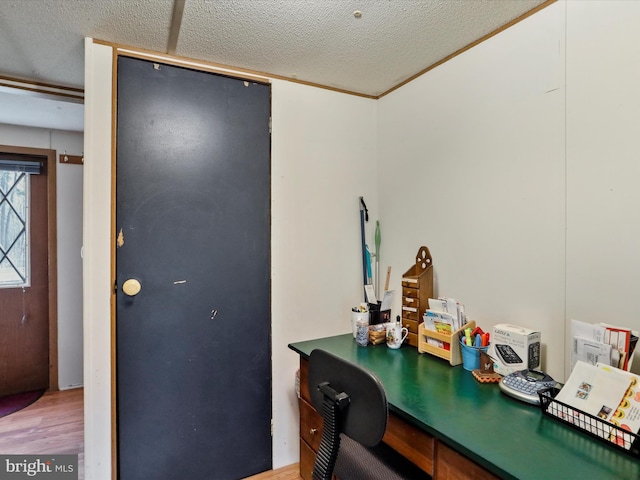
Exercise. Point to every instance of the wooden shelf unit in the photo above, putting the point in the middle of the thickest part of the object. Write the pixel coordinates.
(453, 355)
(417, 288)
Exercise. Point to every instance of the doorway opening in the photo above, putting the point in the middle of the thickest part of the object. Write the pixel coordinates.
(28, 270)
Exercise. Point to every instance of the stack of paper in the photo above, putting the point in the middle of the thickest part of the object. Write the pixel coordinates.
(450, 306)
(444, 315)
(440, 322)
(602, 343)
(593, 390)
(627, 415)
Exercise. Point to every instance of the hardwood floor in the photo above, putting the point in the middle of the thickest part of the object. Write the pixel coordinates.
(292, 472)
(53, 424)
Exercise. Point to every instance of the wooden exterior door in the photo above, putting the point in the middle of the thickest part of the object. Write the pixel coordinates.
(193, 347)
(26, 286)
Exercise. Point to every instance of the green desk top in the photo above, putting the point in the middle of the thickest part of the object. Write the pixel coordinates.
(510, 438)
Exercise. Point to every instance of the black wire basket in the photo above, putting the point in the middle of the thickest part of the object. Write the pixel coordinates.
(596, 427)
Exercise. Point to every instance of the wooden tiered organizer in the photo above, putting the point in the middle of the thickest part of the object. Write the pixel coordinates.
(453, 354)
(417, 288)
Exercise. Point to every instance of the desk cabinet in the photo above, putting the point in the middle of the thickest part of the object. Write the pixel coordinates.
(450, 465)
(436, 414)
(310, 425)
(420, 448)
(310, 435)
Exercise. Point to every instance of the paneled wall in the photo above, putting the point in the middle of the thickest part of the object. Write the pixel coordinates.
(472, 165)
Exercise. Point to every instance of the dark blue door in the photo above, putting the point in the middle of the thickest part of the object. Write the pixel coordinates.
(193, 349)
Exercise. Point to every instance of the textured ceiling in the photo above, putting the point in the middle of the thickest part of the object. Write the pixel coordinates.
(316, 41)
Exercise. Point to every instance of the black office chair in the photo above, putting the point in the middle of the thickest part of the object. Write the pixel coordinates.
(353, 406)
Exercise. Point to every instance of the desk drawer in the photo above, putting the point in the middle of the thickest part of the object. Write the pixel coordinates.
(304, 380)
(410, 313)
(411, 325)
(411, 302)
(411, 442)
(451, 465)
(307, 459)
(310, 425)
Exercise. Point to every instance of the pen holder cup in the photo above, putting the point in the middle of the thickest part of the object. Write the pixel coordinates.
(471, 356)
(358, 317)
(378, 316)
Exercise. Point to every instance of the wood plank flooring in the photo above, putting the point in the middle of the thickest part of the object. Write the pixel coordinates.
(292, 472)
(53, 424)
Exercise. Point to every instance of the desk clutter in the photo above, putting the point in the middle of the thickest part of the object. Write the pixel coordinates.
(515, 441)
(372, 327)
(443, 325)
(600, 400)
(602, 343)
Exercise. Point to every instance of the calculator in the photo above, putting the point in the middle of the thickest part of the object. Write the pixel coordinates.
(524, 385)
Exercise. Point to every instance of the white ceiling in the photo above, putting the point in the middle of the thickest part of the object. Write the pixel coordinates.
(316, 41)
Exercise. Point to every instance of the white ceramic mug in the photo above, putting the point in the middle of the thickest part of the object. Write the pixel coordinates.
(396, 334)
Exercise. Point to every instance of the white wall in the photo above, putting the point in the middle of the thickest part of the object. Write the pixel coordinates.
(323, 160)
(603, 167)
(517, 164)
(507, 174)
(471, 164)
(97, 238)
(69, 240)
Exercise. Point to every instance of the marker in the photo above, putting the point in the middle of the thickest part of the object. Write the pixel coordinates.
(467, 334)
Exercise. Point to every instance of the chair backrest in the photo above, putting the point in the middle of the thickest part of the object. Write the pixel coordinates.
(351, 400)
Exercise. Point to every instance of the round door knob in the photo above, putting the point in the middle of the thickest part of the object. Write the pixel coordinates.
(131, 287)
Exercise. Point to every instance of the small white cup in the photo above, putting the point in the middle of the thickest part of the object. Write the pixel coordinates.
(396, 334)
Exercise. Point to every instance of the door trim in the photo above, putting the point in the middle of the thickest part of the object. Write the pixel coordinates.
(199, 65)
(52, 252)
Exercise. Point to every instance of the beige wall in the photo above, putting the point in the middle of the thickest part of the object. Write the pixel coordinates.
(471, 156)
(518, 162)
